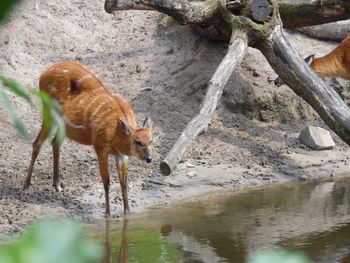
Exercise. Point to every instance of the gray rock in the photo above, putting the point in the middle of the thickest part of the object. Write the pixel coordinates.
(316, 138)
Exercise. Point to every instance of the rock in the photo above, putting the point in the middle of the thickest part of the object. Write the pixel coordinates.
(189, 165)
(191, 174)
(316, 138)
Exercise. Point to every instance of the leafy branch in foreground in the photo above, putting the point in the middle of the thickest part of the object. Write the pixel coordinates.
(50, 109)
(5, 7)
(51, 242)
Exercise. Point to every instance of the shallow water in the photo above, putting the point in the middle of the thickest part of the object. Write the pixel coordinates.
(313, 218)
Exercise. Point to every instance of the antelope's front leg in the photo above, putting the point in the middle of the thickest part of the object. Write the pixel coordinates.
(102, 156)
(122, 167)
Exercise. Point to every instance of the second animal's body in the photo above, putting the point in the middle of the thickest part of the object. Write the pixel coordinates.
(335, 64)
(97, 116)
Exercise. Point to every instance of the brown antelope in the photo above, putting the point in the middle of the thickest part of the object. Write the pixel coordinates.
(97, 116)
(334, 64)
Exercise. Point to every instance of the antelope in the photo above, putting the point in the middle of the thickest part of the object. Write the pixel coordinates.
(334, 64)
(94, 115)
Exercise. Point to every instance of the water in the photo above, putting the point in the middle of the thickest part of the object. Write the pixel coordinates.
(313, 218)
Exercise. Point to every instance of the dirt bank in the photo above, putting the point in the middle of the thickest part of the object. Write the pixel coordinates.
(162, 69)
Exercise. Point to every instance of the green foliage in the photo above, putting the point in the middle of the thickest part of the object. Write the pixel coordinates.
(49, 242)
(278, 257)
(50, 109)
(17, 122)
(5, 7)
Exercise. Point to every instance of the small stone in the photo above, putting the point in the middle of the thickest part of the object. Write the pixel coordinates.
(189, 165)
(303, 177)
(138, 68)
(146, 89)
(192, 174)
(316, 138)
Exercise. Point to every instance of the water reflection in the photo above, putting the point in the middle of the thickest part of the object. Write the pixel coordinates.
(123, 256)
(313, 218)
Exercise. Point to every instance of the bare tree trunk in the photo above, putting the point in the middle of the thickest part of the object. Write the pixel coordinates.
(300, 13)
(287, 63)
(234, 56)
(336, 31)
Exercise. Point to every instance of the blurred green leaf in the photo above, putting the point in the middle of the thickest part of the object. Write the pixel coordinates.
(17, 122)
(16, 88)
(51, 242)
(46, 111)
(5, 7)
(60, 125)
(50, 109)
(51, 116)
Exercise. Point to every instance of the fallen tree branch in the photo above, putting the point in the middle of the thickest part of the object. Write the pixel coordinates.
(180, 10)
(310, 12)
(262, 29)
(332, 31)
(288, 64)
(216, 85)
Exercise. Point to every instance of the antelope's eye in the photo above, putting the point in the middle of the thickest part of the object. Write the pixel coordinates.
(138, 143)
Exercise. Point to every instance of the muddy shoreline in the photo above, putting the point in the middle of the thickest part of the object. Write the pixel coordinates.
(162, 69)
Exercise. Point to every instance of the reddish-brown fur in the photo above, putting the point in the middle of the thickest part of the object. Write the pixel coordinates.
(334, 64)
(97, 116)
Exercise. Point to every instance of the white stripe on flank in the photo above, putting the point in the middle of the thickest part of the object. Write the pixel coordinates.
(92, 116)
(105, 120)
(71, 124)
(85, 96)
(92, 102)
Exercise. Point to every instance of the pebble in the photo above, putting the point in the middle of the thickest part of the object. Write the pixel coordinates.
(189, 165)
(192, 174)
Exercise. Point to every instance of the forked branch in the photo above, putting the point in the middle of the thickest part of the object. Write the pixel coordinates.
(260, 26)
(234, 56)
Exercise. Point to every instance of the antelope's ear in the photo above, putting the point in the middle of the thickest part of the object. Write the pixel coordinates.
(148, 123)
(309, 59)
(126, 127)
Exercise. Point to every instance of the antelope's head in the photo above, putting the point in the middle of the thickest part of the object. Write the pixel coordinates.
(140, 139)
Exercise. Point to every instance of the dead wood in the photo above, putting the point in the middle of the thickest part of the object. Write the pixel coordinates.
(257, 23)
(336, 31)
(216, 85)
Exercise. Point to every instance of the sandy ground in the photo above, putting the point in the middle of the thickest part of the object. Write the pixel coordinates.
(162, 69)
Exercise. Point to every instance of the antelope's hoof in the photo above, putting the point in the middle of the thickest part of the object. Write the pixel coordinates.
(59, 188)
(27, 191)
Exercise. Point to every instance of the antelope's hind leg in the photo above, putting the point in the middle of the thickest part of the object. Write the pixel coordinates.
(56, 146)
(42, 136)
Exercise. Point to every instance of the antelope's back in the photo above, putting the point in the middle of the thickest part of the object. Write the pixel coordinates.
(93, 116)
(66, 79)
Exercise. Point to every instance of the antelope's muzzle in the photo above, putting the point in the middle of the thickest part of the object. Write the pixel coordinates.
(148, 159)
